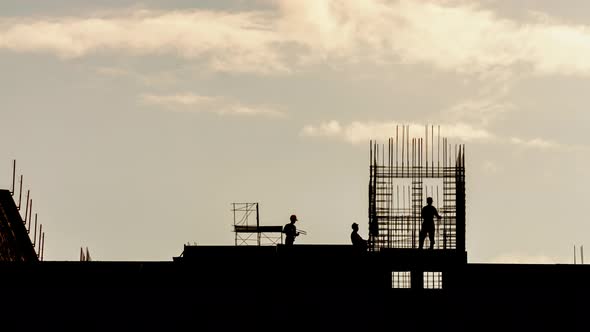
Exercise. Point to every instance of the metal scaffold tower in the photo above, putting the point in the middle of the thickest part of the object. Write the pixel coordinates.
(248, 230)
(403, 173)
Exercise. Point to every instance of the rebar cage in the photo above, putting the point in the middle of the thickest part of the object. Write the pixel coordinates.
(403, 173)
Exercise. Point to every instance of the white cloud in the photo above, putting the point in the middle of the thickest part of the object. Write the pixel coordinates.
(357, 132)
(361, 132)
(189, 102)
(235, 41)
(455, 36)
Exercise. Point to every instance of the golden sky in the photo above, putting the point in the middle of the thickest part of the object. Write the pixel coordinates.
(136, 124)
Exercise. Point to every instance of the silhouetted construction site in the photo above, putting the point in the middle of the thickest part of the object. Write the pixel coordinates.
(260, 283)
(402, 174)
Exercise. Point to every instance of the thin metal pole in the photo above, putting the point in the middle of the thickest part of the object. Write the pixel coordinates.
(432, 149)
(426, 147)
(35, 233)
(574, 254)
(389, 192)
(403, 146)
(30, 212)
(29, 226)
(27, 207)
(408, 146)
(438, 205)
(450, 155)
(404, 220)
(409, 218)
(582, 254)
(438, 150)
(235, 232)
(396, 146)
(13, 176)
(411, 193)
(20, 192)
(397, 213)
(42, 245)
(258, 224)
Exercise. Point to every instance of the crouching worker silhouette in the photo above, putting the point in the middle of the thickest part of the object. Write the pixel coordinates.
(428, 214)
(357, 240)
(290, 231)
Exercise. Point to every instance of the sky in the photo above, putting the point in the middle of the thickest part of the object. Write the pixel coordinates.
(136, 124)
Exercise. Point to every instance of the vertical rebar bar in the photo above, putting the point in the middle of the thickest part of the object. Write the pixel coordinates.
(30, 212)
(27, 207)
(42, 246)
(20, 192)
(13, 176)
(403, 147)
(396, 147)
(35, 233)
(409, 219)
(408, 146)
(426, 147)
(438, 150)
(574, 254)
(258, 224)
(432, 149)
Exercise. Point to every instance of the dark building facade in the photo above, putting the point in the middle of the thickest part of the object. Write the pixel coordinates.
(298, 288)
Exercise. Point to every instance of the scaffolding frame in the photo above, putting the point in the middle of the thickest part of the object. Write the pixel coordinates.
(247, 228)
(398, 187)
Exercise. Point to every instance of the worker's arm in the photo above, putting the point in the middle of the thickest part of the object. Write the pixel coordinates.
(436, 213)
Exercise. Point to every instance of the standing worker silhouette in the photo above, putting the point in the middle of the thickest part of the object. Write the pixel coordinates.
(290, 231)
(428, 213)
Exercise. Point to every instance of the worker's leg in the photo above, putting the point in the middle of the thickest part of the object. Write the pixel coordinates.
(431, 237)
(422, 235)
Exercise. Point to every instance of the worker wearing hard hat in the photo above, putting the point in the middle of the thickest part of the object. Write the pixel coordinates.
(290, 231)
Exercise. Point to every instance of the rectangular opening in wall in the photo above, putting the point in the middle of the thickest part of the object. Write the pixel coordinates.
(433, 280)
(401, 279)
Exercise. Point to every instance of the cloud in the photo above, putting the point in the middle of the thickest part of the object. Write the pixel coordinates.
(455, 36)
(189, 102)
(358, 132)
(361, 132)
(235, 41)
